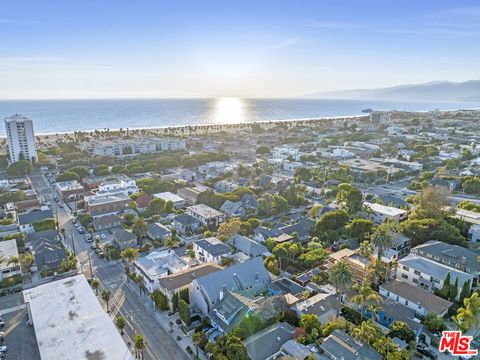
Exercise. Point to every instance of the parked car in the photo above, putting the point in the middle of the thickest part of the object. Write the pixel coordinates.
(103, 236)
(2, 323)
(2, 337)
(424, 350)
(3, 349)
(89, 238)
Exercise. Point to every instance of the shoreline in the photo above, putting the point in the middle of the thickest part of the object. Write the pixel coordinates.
(201, 125)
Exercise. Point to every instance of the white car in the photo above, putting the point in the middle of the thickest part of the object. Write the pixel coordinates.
(103, 236)
(3, 349)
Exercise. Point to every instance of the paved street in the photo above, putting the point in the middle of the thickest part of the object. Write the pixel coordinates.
(125, 301)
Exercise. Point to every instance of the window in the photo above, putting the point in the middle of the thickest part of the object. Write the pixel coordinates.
(406, 268)
(404, 276)
(416, 272)
(406, 302)
(415, 281)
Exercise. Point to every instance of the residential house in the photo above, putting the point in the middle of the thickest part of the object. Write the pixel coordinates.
(302, 229)
(295, 350)
(268, 342)
(429, 274)
(69, 190)
(157, 231)
(47, 250)
(111, 184)
(230, 310)
(358, 264)
(399, 249)
(156, 265)
(208, 216)
(107, 222)
(249, 201)
(27, 221)
(341, 346)
(283, 286)
(177, 201)
(101, 205)
(233, 209)
(474, 233)
(249, 277)
(379, 213)
(261, 233)
(8, 250)
(391, 311)
(186, 224)
(124, 239)
(422, 301)
(324, 306)
(190, 194)
(210, 250)
(172, 284)
(249, 247)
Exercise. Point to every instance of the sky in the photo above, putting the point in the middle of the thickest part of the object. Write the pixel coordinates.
(52, 49)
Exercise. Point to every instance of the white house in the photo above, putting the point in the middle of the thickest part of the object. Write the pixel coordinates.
(210, 250)
(417, 299)
(474, 233)
(379, 213)
(208, 216)
(157, 265)
(178, 201)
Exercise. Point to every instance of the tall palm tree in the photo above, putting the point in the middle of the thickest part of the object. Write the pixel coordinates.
(95, 284)
(366, 250)
(374, 309)
(106, 294)
(383, 239)
(365, 296)
(129, 255)
(366, 331)
(140, 344)
(342, 278)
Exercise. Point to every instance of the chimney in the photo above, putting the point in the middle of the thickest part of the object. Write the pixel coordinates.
(222, 292)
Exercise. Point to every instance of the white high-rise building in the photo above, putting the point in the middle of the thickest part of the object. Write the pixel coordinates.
(20, 138)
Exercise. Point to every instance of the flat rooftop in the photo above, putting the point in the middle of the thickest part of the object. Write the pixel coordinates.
(70, 324)
(168, 196)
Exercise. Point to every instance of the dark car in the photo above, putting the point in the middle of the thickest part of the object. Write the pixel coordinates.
(424, 350)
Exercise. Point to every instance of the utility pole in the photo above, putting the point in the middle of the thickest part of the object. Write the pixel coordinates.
(73, 243)
(90, 264)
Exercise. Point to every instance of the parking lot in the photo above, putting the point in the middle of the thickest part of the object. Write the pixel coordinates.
(19, 335)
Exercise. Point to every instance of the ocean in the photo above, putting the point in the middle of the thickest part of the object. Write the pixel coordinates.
(55, 116)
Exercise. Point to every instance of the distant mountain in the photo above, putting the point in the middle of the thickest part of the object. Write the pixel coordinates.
(434, 91)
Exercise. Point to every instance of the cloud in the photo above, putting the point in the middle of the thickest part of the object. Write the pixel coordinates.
(286, 43)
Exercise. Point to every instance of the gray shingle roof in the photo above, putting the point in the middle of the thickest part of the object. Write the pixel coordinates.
(416, 295)
(342, 346)
(452, 255)
(237, 277)
(268, 341)
(185, 277)
(35, 215)
(248, 246)
(213, 246)
(186, 219)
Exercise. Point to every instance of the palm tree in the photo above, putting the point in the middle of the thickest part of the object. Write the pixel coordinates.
(342, 278)
(139, 343)
(374, 309)
(366, 250)
(366, 331)
(121, 323)
(129, 255)
(140, 228)
(106, 294)
(196, 338)
(26, 260)
(13, 260)
(95, 284)
(365, 296)
(468, 316)
(383, 239)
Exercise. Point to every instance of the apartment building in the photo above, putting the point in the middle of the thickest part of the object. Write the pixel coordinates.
(20, 138)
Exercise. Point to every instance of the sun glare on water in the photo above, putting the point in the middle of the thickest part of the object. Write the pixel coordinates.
(229, 110)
